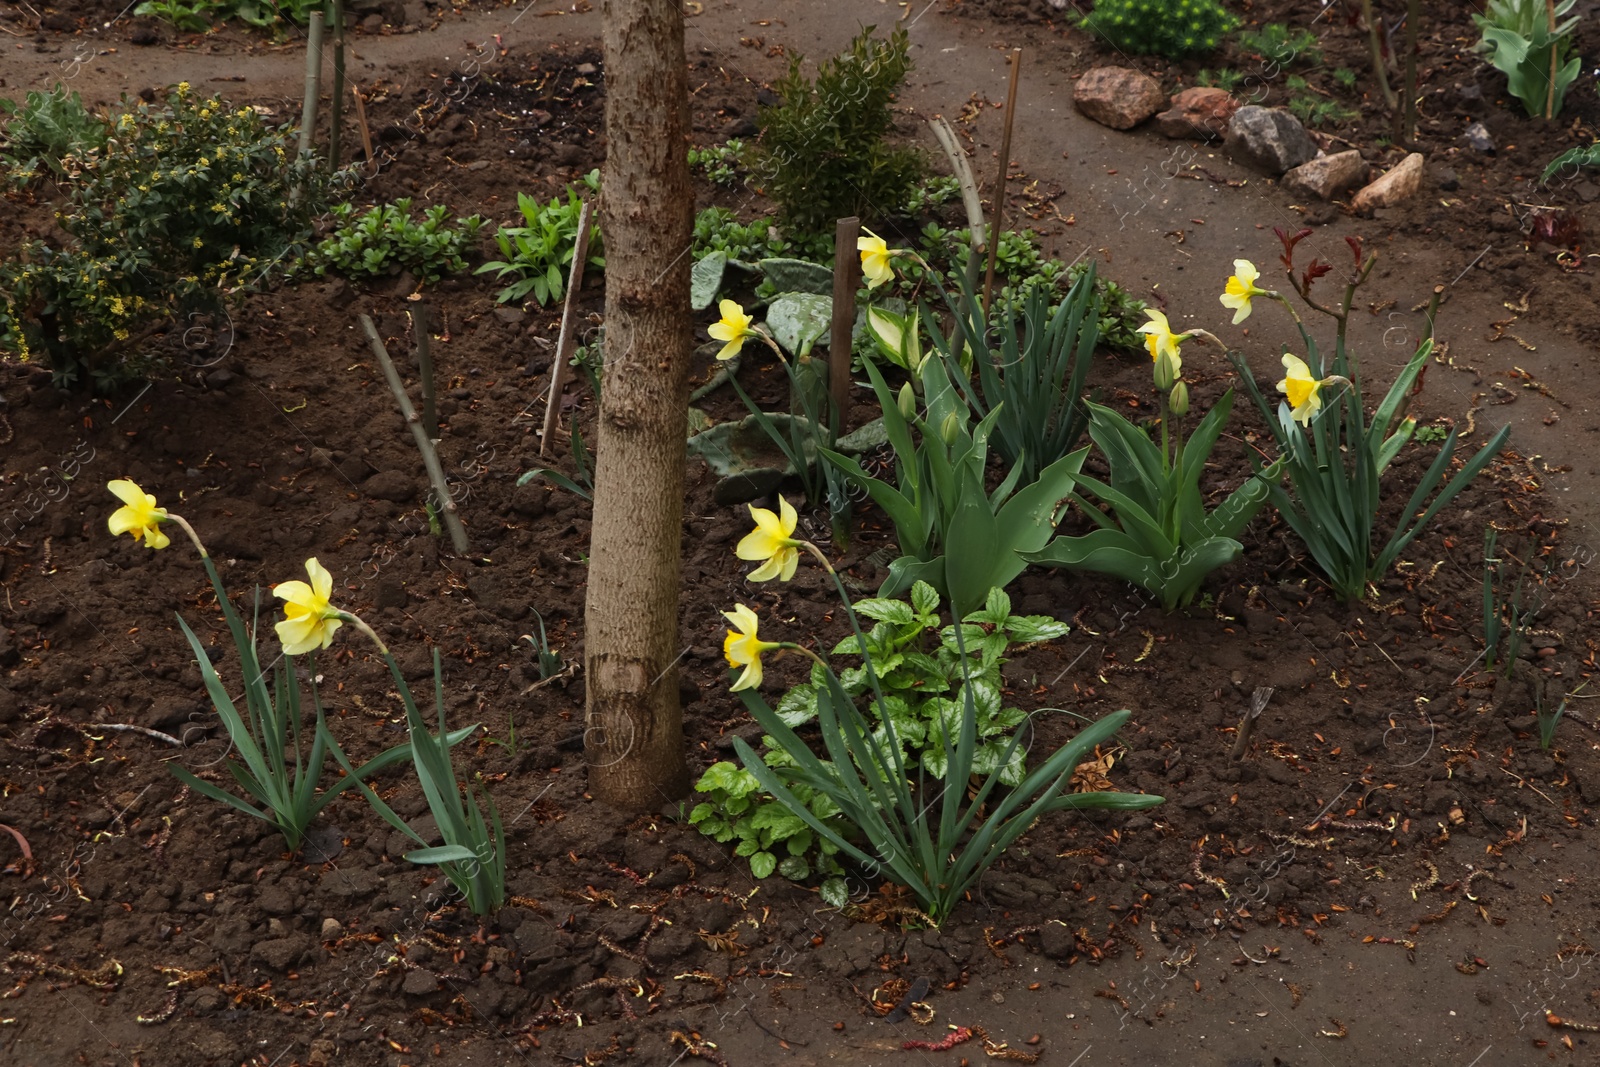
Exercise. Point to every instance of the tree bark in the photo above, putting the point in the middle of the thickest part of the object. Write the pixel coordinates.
(633, 738)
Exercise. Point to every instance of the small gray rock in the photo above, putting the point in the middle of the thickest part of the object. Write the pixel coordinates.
(1270, 139)
(281, 953)
(1478, 137)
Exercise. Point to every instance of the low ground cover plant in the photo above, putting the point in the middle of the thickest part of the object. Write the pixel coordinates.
(48, 132)
(386, 239)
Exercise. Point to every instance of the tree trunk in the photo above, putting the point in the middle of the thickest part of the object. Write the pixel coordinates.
(633, 737)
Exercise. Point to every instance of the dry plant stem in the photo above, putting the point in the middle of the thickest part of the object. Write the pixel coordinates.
(1375, 46)
(336, 104)
(423, 330)
(308, 110)
(430, 458)
(1408, 129)
(846, 278)
(361, 120)
(567, 340)
(1000, 184)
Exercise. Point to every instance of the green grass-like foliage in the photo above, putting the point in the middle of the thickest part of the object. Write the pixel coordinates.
(51, 130)
(1160, 536)
(186, 203)
(1571, 161)
(1171, 28)
(268, 735)
(935, 835)
(473, 855)
(924, 671)
(1034, 363)
(386, 238)
(1336, 468)
(1519, 39)
(539, 252)
(823, 153)
(1280, 45)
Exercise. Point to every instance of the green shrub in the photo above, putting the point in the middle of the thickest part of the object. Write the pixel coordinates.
(187, 203)
(539, 253)
(198, 16)
(53, 130)
(385, 239)
(822, 154)
(1171, 28)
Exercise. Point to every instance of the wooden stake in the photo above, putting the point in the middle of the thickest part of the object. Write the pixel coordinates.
(421, 328)
(1000, 186)
(567, 341)
(846, 279)
(361, 119)
(1550, 97)
(430, 457)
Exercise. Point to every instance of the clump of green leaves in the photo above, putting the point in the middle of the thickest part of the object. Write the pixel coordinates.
(722, 164)
(1227, 79)
(51, 130)
(1572, 160)
(185, 204)
(539, 252)
(1020, 266)
(823, 152)
(386, 238)
(718, 229)
(926, 676)
(1278, 44)
(1171, 28)
(198, 16)
(1312, 109)
(1521, 43)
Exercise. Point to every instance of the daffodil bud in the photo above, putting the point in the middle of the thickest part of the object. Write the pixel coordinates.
(907, 402)
(950, 429)
(1165, 375)
(1179, 400)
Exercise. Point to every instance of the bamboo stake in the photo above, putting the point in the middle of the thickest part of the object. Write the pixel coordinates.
(308, 110)
(567, 340)
(995, 229)
(336, 106)
(430, 457)
(846, 279)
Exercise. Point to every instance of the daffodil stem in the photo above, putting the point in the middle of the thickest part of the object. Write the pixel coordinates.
(193, 537)
(792, 647)
(356, 621)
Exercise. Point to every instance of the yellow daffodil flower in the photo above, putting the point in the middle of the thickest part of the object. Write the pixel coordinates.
(772, 541)
(876, 259)
(309, 619)
(1163, 344)
(139, 515)
(743, 648)
(733, 328)
(1241, 290)
(1304, 392)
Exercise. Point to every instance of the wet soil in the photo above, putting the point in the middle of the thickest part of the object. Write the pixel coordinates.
(1395, 864)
